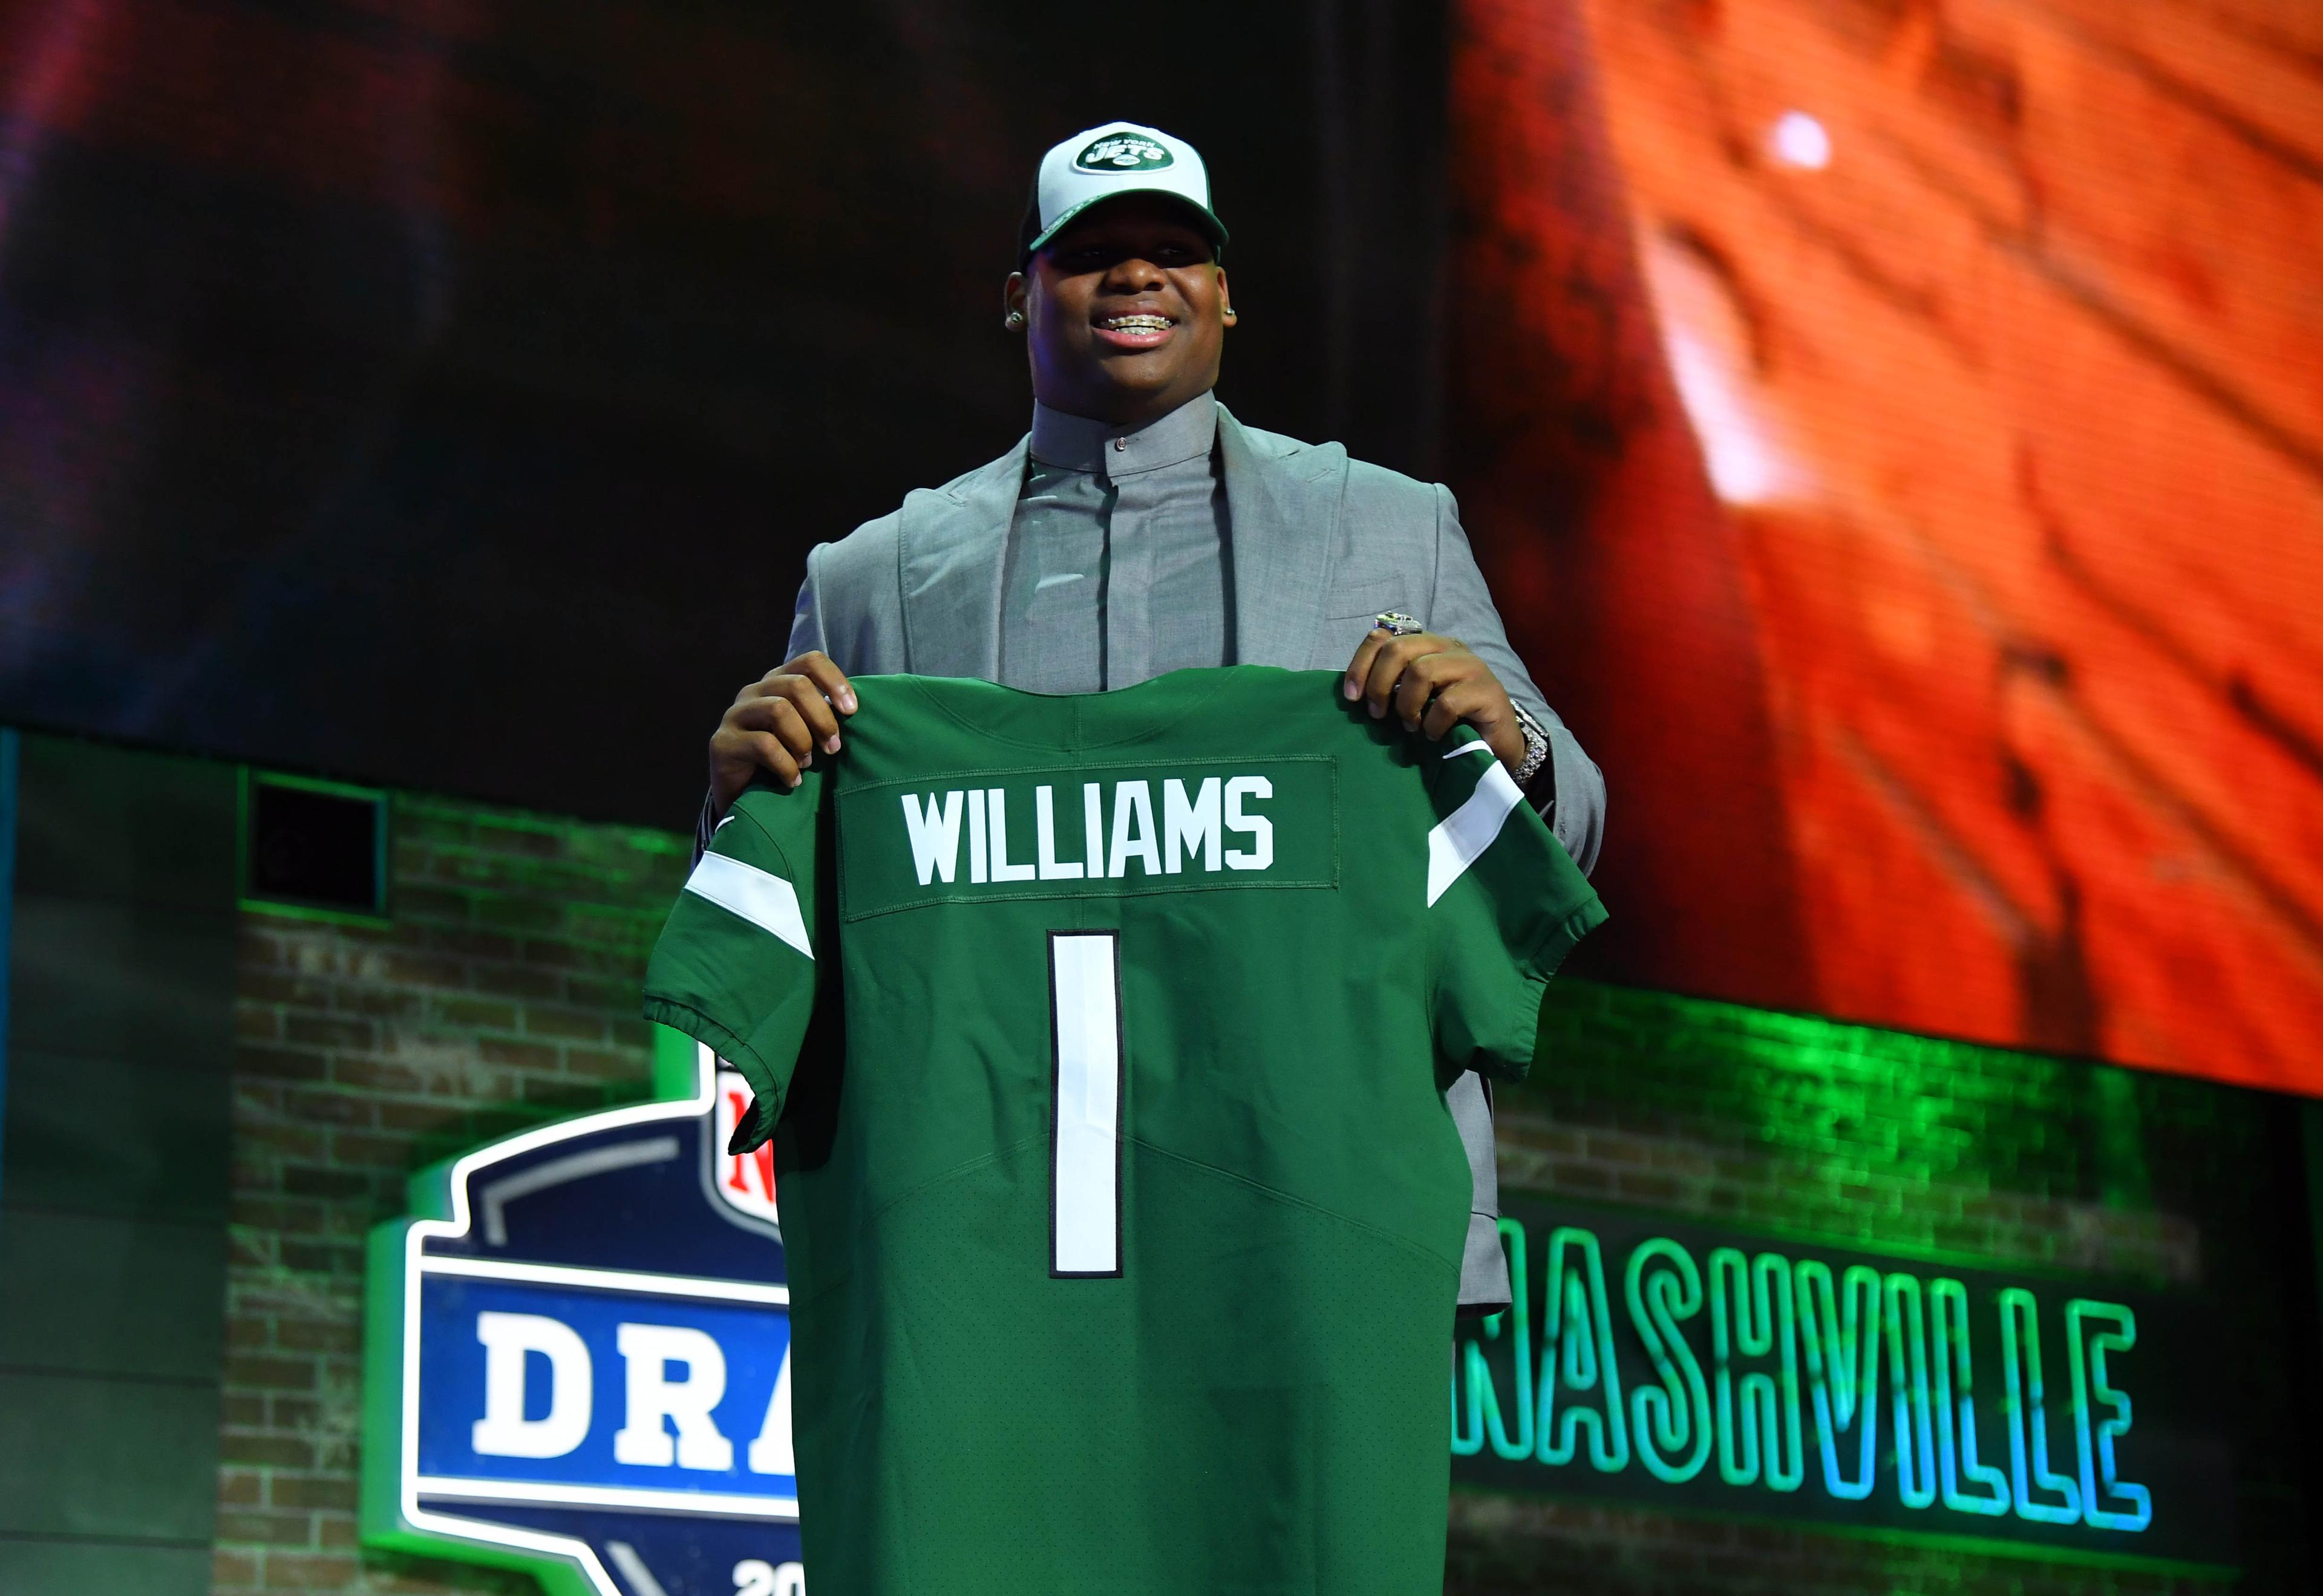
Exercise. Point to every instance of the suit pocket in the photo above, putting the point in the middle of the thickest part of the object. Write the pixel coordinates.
(1365, 596)
(1347, 611)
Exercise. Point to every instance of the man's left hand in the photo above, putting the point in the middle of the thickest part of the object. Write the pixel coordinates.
(1432, 683)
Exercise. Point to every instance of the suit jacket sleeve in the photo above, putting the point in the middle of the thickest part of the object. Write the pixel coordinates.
(807, 634)
(806, 621)
(1463, 609)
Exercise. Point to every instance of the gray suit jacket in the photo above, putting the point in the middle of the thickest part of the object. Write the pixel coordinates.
(1321, 544)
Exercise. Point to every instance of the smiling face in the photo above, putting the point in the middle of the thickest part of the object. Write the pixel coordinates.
(1126, 312)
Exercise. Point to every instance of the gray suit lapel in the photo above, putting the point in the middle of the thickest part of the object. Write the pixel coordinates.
(951, 544)
(1284, 500)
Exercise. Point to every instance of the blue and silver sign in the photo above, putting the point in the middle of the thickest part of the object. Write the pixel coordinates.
(579, 1355)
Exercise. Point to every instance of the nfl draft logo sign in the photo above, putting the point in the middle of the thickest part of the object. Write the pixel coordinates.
(578, 1354)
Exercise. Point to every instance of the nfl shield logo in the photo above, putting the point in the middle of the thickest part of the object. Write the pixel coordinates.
(744, 1184)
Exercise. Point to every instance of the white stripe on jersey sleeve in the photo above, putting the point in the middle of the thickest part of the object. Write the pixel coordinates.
(1461, 837)
(765, 901)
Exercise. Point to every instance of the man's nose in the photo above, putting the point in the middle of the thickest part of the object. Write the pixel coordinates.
(1133, 273)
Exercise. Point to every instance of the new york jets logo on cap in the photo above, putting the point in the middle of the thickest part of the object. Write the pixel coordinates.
(1106, 161)
(1123, 155)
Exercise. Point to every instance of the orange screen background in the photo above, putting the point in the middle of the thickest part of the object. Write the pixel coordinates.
(1896, 431)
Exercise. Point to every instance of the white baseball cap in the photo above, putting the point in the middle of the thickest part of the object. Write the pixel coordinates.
(1105, 162)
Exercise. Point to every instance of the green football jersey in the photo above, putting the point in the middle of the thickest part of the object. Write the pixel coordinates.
(1104, 1042)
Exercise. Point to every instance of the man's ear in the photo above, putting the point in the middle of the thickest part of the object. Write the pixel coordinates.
(1225, 299)
(1012, 308)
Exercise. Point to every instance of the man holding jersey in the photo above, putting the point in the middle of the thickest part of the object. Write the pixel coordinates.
(1142, 528)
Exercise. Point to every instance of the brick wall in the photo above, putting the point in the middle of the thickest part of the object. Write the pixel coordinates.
(1879, 1141)
(505, 992)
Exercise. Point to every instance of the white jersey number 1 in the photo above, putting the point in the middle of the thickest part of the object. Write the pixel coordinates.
(1086, 1082)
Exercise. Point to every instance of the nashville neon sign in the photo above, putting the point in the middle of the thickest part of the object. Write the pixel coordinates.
(1757, 1379)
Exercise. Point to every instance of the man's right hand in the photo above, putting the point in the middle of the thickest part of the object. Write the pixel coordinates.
(777, 723)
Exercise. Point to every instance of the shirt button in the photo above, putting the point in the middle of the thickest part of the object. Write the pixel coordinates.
(1120, 444)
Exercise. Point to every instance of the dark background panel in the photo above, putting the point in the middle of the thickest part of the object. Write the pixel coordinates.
(117, 1147)
(114, 1568)
(448, 395)
(118, 1295)
(101, 1457)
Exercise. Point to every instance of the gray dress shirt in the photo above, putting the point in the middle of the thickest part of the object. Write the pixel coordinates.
(1120, 556)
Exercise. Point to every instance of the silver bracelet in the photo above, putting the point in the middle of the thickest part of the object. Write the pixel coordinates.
(1536, 738)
